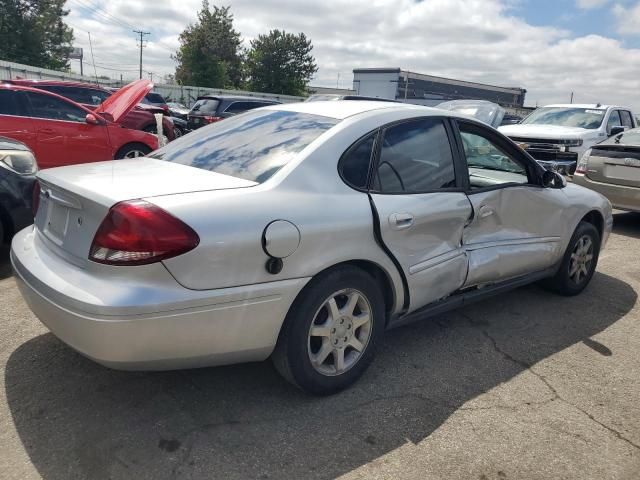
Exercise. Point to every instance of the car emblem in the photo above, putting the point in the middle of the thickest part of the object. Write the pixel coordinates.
(632, 162)
(522, 145)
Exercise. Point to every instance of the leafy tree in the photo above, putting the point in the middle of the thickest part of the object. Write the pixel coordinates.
(280, 62)
(33, 32)
(210, 53)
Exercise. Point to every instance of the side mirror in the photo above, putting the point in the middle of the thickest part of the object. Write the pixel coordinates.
(91, 119)
(553, 180)
(616, 130)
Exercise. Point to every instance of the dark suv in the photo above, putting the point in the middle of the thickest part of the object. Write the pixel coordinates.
(210, 108)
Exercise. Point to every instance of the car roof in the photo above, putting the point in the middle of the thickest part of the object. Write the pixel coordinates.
(236, 97)
(64, 83)
(341, 109)
(594, 106)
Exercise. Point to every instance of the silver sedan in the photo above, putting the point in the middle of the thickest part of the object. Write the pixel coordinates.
(300, 232)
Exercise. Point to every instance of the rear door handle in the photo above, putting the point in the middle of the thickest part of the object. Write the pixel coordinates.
(47, 130)
(400, 221)
(485, 211)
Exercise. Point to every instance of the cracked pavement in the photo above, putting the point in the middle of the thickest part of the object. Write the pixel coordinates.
(526, 385)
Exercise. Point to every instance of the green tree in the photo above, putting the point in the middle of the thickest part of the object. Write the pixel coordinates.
(280, 62)
(210, 53)
(33, 32)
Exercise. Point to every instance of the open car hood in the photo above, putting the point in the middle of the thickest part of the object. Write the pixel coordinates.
(124, 100)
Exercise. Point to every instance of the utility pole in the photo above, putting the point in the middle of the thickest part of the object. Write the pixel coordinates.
(142, 34)
(571, 98)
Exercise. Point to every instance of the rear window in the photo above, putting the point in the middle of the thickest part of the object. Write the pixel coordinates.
(154, 98)
(252, 146)
(205, 105)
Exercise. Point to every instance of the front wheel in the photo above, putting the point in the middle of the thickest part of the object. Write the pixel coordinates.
(579, 262)
(133, 150)
(331, 332)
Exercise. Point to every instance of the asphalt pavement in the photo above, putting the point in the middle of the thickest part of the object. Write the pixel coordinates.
(528, 385)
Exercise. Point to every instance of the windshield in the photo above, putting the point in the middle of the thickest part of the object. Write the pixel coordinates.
(205, 105)
(589, 118)
(252, 146)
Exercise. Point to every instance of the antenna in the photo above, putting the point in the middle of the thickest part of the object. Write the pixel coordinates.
(93, 60)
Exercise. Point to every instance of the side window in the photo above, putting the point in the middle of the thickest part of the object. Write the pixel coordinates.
(625, 116)
(415, 157)
(488, 164)
(354, 165)
(51, 108)
(239, 107)
(614, 120)
(10, 103)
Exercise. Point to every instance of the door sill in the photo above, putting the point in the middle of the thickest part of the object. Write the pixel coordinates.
(465, 297)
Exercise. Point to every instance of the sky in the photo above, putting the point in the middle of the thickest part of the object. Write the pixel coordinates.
(549, 47)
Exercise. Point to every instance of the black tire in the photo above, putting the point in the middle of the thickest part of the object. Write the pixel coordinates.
(292, 353)
(177, 132)
(130, 148)
(562, 282)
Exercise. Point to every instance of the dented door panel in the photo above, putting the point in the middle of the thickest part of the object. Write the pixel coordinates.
(515, 230)
(424, 233)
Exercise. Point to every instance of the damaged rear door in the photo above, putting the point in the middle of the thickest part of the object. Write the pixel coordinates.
(421, 206)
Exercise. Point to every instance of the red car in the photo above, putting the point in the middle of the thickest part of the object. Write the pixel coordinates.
(62, 132)
(92, 96)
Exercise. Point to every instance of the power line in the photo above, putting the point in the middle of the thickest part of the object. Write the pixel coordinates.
(104, 15)
(142, 45)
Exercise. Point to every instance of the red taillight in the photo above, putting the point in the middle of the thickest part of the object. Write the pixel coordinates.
(138, 233)
(35, 200)
(209, 119)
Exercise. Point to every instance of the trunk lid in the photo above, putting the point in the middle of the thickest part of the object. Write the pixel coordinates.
(124, 100)
(74, 200)
(619, 165)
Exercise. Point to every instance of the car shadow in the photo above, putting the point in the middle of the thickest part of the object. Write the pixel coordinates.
(77, 419)
(5, 263)
(627, 223)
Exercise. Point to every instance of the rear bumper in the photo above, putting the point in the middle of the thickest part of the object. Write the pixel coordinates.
(621, 196)
(130, 328)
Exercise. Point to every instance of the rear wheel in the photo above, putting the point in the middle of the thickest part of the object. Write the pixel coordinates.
(331, 332)
(133, 150)
(579, 262)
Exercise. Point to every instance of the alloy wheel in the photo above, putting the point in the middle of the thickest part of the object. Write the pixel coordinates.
(134, 154)
(581, 259)
(340, 332)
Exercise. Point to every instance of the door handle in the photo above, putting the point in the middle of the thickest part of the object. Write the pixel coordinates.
(400, 221)
(47, 130)
(485, 211)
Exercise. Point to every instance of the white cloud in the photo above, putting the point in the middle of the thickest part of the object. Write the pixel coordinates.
(589, 4)
(478, 40)
(628, 18)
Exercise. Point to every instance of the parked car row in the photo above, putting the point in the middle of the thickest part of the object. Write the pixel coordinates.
(431, 208)
(558, 135)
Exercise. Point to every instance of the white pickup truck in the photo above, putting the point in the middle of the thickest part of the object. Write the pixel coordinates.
(558, 135)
